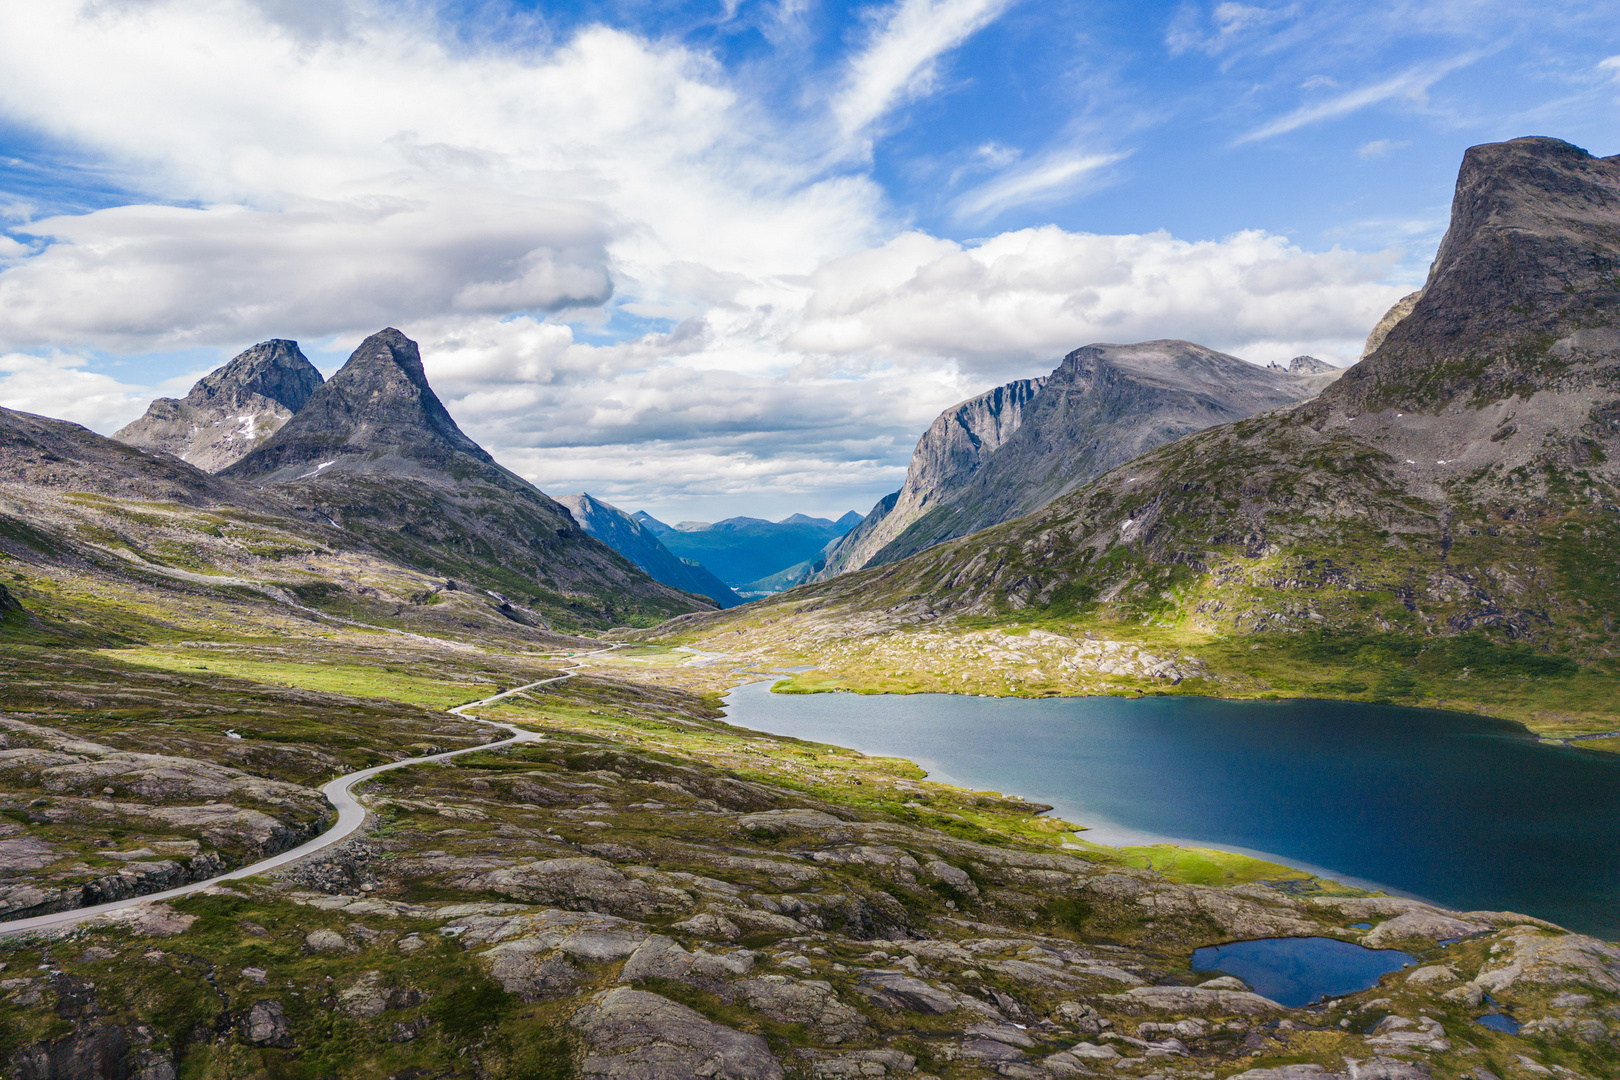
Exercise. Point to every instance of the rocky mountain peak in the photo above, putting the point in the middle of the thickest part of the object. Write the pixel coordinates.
(378, 414)
(276, 370)
(1532, 256)
(231, 410)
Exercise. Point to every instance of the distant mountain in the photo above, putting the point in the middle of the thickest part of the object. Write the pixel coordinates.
(231, 410)
(630, 538)
(1018, 447)
(1305, 365)
(741, 550)
(375, 452)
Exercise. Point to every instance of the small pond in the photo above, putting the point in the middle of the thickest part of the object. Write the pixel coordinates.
(1298, 971)
(1464, 810)
(1499, 1022)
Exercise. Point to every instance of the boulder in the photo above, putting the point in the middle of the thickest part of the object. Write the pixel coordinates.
(265, 1024)
(1194, 999)
(810, 1002)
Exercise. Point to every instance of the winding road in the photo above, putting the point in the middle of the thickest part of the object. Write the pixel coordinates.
(351, 814)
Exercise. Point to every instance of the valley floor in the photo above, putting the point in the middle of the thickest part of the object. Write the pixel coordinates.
(648, 892)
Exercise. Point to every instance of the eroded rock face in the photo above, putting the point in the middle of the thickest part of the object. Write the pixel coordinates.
(231, 411)
(636, 1035)
(956, 444)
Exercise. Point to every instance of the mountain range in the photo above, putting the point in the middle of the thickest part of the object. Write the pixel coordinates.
(630, 538)
(370, 465)
(626, 885)
(746, 552)
(1456, 494)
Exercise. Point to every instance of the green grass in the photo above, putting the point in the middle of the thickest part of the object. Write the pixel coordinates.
(352, 679)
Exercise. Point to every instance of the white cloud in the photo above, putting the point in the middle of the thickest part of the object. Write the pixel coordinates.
(1611, 65)
(383, 175)
(998, 305)
(900, 61)
(57, 385)
(1046, 180)
(318, 172)
(1378, 148)
(1229, 23)
(1412, 85)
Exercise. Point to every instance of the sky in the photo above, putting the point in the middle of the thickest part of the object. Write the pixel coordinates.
(732, 257)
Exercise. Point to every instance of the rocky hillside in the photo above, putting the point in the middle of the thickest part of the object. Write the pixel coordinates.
(230, 411)
(953, 448)
(624, 534)
(375, 453)
(1015, 449)
(648, 894)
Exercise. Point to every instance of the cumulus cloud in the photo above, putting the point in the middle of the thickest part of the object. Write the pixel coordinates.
(59, 385)
(1040, 292)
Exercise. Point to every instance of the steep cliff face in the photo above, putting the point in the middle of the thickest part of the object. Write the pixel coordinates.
(230, 411)
(375, 452)
(953, 448)
(1530, 259)
(1020, 446)
(624, 534)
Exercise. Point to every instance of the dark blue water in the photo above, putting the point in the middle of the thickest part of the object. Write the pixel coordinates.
(1499, 1022)
(1466, 811)
(1298, 971)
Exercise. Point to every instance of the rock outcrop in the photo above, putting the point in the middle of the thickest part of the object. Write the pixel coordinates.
(230, 411)
(953, 448)
(624, 534)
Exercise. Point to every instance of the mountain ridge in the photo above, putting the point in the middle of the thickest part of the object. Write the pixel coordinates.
(375, 452)
(1014, 449)
(1448, 515)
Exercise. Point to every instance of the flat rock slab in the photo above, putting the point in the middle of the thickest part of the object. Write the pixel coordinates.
(1196, 999)
(635, 1035)
(904, 992)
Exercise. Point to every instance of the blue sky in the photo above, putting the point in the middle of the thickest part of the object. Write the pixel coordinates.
(731, 258)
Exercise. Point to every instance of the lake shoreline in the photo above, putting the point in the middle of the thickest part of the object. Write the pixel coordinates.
(1125, 831)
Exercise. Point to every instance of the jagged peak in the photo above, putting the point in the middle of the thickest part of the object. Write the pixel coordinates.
(276, 369)
(378, 408)
(1532, 254)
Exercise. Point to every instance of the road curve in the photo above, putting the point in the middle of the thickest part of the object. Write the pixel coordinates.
(351, 814)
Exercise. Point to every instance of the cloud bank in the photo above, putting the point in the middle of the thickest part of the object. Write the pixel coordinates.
(626, 275)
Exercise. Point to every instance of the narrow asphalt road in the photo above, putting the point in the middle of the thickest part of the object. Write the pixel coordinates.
(351, 815)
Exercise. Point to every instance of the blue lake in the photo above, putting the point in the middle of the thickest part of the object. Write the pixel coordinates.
(1466, 811)
(1298, 971)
